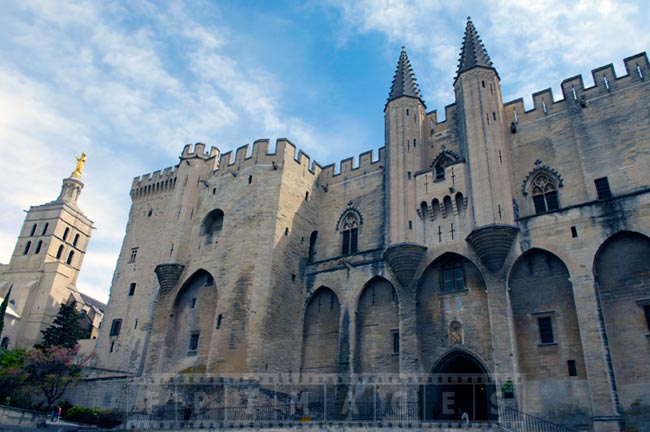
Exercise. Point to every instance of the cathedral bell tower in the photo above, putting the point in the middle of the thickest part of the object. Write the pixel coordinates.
(482, 128)
(404, 117)
(47, 259)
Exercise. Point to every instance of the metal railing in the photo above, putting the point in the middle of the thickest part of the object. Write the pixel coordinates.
(517, 421)
(314, 411)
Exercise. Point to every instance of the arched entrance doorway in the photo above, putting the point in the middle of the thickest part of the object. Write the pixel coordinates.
(459, 383)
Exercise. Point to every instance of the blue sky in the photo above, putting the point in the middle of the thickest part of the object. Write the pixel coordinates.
(131, 82)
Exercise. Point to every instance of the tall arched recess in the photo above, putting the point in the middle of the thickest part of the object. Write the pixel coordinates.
(452, 309)
(190, 330)
(622, 273)
(320, 340)
(377, 335)
(547, 337)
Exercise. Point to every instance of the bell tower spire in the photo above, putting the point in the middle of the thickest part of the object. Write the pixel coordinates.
(404, 82)
(404, 116)
(482, 131)
(473, 53)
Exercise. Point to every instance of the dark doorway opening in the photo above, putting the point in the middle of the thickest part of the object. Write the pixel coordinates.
(459, 383)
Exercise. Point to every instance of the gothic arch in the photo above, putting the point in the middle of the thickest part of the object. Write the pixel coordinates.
(192, 319)
(541, 169)
(211, 225)
(622, 280)
(444, 159)
(351, 210)
(447, 280)
(546, 331)
(349, 225)
(461, 374)
(451, 354)
(320, 340)
(377, 328)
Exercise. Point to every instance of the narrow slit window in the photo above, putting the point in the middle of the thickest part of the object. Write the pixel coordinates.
(47, 225)
(395, 342)
(219, 318)
(571, 366)
(38, 247)
(194, 341)
(70, 258)
(33, 230)
(132, 288)
(27, 246)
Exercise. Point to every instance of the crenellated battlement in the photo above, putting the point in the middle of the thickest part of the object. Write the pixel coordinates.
(574, 92)
(348, 169)
(437, 125)
(198, 151)
(259, 154)
(155, 182)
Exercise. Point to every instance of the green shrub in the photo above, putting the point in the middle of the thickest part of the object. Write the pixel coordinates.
(79, 414)
(95, 416)
(108, 419)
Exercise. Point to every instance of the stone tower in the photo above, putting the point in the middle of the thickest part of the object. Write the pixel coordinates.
(481, 127)
(404, 116)
(46, 261)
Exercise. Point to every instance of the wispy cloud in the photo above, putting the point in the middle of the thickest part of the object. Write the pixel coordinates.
(534, 44)
(101, 77)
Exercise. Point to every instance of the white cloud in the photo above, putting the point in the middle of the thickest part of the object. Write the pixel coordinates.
(101, 77)
(533, 44)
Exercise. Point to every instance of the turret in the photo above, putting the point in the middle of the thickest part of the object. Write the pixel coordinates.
(482, 129)
(404, 117)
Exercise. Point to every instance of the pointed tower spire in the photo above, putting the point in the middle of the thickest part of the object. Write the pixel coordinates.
(404, 82)
(472, 53)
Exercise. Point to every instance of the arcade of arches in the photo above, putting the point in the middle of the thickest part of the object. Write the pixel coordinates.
(452, 329)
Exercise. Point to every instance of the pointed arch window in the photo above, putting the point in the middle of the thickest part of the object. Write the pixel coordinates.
(349, 234)
(212, 224)
(544, 192)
